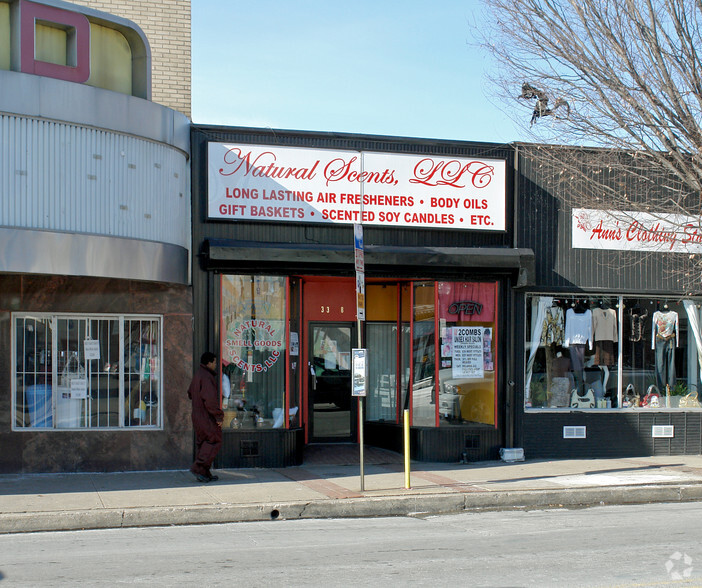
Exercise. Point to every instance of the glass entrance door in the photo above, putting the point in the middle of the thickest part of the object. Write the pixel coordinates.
(332, 410)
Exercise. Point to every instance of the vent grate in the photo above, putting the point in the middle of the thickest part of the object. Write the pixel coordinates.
(248, 448)
(663, 431)
(574, 432)
(472, 441)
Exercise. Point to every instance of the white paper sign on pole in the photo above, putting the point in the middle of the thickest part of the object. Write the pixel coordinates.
(360, 296)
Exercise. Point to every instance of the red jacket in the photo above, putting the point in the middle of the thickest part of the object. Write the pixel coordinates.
(204, 394)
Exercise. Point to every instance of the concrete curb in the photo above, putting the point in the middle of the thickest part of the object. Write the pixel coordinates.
(414, 505)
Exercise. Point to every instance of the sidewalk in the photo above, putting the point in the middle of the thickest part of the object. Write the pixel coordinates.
(52, 502)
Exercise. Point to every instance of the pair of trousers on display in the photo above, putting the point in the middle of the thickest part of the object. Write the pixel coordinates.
(577, 361)
(665, 363)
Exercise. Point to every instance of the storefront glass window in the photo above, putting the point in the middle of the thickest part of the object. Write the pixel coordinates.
(423, 357)
(405, 347)
(253, 350)
(381, 404)
(592, 352)
(382, 342)
(80, 372)
(467, 321)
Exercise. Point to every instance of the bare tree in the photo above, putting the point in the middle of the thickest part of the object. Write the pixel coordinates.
(622, 76)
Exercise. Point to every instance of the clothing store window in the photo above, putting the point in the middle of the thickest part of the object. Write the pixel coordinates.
(662, 348)
(253, 352)
(593, 352)
(467, 383)
(86, 372)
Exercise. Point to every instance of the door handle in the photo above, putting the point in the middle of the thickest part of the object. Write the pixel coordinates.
(313, 375)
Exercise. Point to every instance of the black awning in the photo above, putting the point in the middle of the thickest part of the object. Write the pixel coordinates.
(221, 253)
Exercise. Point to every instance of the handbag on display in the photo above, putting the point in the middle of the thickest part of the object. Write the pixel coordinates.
(690, 401)
(652, 398)
(579, 400)
(631, 398)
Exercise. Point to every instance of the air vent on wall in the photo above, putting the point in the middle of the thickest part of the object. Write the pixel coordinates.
(662, 431)
(574, 432)
(248, 449)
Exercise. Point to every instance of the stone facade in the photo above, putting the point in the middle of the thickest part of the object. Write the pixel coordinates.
(31, 451)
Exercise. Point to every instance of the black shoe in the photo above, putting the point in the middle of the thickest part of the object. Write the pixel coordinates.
(200, 478)
(213, 478)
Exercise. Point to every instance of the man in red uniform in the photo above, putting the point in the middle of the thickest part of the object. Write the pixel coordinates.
(207, 417)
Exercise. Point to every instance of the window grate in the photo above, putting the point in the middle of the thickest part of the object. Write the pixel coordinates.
(75, 371)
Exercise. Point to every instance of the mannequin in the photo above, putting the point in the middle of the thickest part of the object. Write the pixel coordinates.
(664, 341)
(604, 327)
(562, 381)
(551, 337)
(578, 334)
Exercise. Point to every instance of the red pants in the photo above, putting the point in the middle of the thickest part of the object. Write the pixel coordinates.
(206, 449)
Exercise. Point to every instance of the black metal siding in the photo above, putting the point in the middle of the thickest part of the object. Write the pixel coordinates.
(205, 283)
(442, 444)
(261, 449)
(290, 233)
(544, 225)
(203, 229)
(625, 434)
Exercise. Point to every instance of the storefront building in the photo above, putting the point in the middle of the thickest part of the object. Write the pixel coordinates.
(278, 297)
(611, 337)
(95, 294)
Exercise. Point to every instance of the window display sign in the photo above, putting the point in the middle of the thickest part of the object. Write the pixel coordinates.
(79, 388)
(288, 184)
(91, 349)
(468, 352)
(252, 348)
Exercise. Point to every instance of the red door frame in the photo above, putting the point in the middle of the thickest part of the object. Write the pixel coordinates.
(323, 299)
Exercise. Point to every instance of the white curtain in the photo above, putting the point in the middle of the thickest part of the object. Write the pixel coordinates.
(691, 310)
(538, 312)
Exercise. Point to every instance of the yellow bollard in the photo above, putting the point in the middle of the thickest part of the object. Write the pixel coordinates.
(407, 448)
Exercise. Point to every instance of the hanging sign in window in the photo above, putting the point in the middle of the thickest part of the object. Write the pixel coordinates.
(468, 352)
(79, 388)
(91, 349)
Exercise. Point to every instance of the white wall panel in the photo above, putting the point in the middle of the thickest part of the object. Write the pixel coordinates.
(65, 177)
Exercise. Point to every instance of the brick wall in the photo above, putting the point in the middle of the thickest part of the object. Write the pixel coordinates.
(166, 24)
